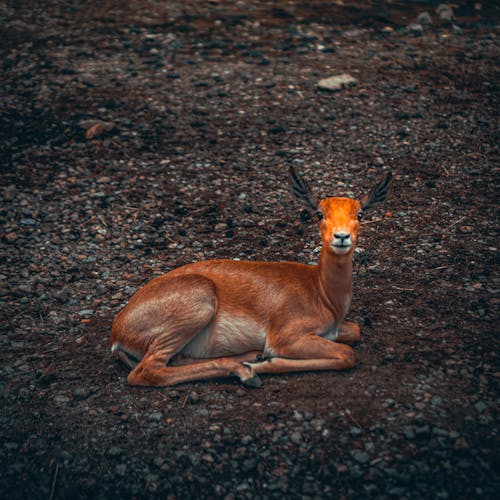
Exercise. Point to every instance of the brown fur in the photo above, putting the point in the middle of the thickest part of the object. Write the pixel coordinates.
(221, 317)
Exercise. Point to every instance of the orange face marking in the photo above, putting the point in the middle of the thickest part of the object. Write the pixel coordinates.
(340, 218)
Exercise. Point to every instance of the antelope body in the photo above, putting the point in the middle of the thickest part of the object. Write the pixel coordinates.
(220, 317)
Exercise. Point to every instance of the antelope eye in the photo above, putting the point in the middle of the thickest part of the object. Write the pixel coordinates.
(360, 215)
(319, 215)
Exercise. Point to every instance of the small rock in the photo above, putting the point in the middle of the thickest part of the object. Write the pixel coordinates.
(114, 451)
(61, 399)
(404, 131)
(378, 161)
(193, 397)
(26, 221)
(245, 440)
(296, 437)
(457, 30)
(9, 193)
(121, 469)
(360, 456)
(11, 237)
(415, 29)
(337, 82)
(81, 393)
(480, 406)
(461, 444)
(86, 312)
(437, 431)
(173, 394)
(156, 416)
(95, 128)
(444, 12)
(355, 431)
(436, 401)
(352, 33)
(422, 431)
(425, 19)
(409, 432)
(221, 227)
(62, 295)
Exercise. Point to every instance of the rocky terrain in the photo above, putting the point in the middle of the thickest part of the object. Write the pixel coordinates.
(142, 135)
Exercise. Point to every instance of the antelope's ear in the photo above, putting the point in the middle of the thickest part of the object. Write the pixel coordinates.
(301, 190)
(378, 194)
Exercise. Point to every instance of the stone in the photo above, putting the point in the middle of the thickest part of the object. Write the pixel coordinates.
(221, 227)
(409, 432)
(114, 451)
(337, 82)
(95, 128)
(444, 12)
(360, 456)
(355, 431)
(27, 221)
(61, 399)
(86, 312)
(121, 469)
(415, 29)
(193, 397)
(480, 406)
(156, 416)
(424, 19)
(81, 393)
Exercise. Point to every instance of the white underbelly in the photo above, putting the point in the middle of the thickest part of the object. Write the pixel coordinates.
(227, 336)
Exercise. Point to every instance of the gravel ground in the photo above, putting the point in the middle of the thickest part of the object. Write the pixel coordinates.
(139, 136)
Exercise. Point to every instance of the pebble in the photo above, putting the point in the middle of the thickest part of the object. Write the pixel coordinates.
(444, 12)
(415, 28)
(61, 399)
(121, 469)
(114, 451)
(337, 82)
(156, 416)
(360, 456)
(355, 431)
(480, 406)
(409, 432)
(296, 437)
(424, 19)
(86, 312)
(27, 222)
(404, 131)
(81, 393)
(221, 227)
(193, 397)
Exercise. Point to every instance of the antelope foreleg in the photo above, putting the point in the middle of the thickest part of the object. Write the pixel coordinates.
(309, 352)
(349, 333)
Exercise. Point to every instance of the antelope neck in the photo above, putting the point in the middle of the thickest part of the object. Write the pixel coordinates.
(335, 279)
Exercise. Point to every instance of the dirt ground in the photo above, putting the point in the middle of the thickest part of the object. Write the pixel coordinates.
(139, 136)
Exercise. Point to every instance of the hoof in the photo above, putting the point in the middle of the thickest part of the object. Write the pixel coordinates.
(254, 382)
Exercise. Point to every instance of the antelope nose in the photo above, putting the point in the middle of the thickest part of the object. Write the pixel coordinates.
(342, 236)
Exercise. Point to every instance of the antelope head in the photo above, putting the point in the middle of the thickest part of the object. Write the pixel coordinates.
(340, 217)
